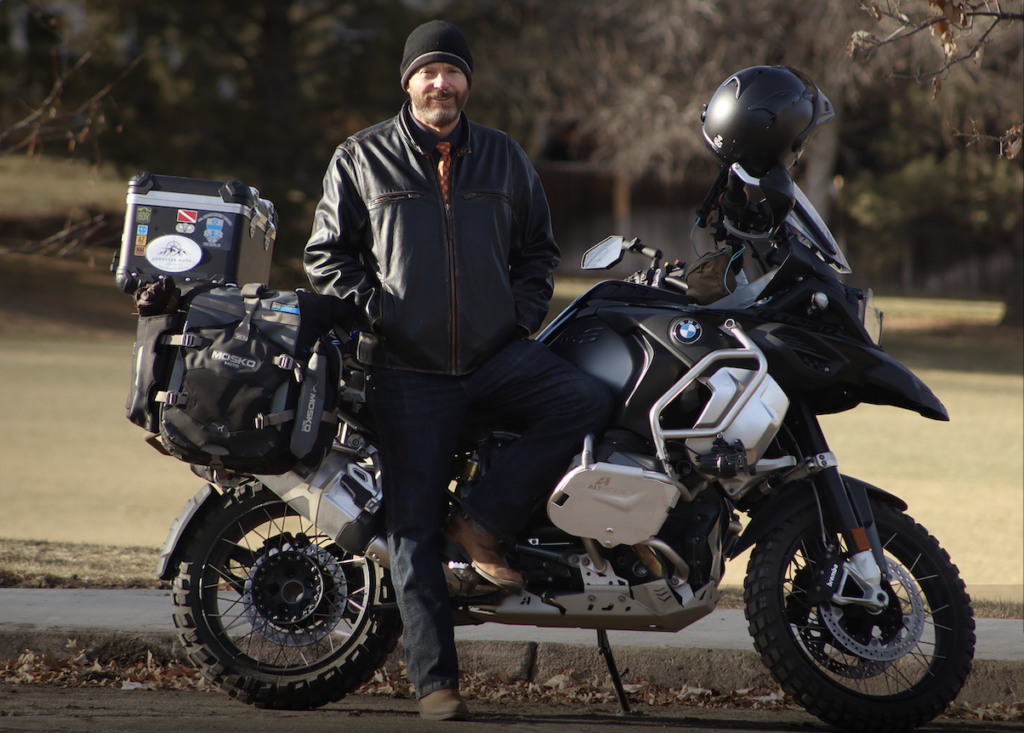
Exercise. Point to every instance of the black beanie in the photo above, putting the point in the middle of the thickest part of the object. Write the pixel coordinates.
(436, 41)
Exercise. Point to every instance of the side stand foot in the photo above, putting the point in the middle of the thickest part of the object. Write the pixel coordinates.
(606, 651)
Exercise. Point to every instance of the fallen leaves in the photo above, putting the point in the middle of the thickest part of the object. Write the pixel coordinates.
(991, 711)
(567, 687)
(75, 669)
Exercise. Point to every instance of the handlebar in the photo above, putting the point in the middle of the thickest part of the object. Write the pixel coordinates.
(651, 252)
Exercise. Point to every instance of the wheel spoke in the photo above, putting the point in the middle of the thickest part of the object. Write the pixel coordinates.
(287, 641)
(236, 583)
(272, 605)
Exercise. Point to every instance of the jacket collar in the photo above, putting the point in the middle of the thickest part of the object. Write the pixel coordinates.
(405, 123)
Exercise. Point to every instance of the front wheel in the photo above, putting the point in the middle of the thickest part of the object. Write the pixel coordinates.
(275, 613)
(889, 671)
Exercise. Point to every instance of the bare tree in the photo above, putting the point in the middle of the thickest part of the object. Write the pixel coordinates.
(961, 31)
(927, 41)
(47, 122)
(623, 81)
(631, 76)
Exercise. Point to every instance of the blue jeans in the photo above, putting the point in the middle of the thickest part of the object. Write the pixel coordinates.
(419, 418)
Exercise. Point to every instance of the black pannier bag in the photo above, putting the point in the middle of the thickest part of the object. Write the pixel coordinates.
(237, 378)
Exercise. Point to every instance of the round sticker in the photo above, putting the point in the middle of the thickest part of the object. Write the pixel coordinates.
(172, 253)
(687, 330)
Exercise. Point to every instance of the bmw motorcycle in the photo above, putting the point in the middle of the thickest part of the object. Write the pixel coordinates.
(281, 587)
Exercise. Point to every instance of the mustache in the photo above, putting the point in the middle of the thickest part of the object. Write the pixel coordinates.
(441, 94)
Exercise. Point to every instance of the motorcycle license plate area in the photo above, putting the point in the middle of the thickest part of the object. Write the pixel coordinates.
(613, 504)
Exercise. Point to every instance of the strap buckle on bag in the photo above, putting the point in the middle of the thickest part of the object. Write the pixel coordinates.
(189, 340)
(251, 293)
(253, 290)
(171, 398)
(266, 421)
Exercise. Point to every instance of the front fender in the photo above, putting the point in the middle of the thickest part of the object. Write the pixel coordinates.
(891, 383)
(798, 496)
(193, 508)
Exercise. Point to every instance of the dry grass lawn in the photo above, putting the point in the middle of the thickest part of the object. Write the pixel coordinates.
(38, 187)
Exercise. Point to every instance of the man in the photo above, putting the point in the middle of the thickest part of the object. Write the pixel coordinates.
(438, 230)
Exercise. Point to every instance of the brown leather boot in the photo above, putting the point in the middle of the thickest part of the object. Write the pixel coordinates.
(482, 548)
(445, 704)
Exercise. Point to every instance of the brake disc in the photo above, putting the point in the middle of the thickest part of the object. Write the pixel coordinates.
(296, 595)
(881, 638)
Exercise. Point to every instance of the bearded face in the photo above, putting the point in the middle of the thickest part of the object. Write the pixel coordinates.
(438, 93)
(438, 108)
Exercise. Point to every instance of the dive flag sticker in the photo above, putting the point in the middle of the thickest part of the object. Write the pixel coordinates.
(188, 216)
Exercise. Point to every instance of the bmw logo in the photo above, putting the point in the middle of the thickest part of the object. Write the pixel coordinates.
(687, 331)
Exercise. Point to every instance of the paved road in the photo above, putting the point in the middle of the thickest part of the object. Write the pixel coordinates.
(38, 708)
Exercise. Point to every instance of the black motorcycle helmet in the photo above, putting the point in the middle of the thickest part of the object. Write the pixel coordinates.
(763, 116)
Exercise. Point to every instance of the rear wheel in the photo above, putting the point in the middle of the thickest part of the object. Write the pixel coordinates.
(273, 611)
(859, 671)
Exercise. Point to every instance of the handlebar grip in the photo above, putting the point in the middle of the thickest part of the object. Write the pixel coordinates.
(652, 252)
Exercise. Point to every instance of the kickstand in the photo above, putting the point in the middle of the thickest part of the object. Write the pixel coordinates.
(606, 651)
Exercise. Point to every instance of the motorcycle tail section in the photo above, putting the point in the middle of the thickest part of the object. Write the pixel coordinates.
(343, 499)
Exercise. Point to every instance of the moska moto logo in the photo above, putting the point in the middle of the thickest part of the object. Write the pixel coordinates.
(233, 361)
(307, 422)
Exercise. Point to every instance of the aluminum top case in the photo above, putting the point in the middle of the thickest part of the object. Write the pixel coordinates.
(194, 229)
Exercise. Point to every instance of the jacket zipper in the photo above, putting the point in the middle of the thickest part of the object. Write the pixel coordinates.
(452, 312)
(450, 246)
(395, 197)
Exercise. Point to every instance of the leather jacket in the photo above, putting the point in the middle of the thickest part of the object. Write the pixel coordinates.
(442, 288)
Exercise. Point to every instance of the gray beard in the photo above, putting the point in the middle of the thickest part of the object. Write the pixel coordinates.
(436, 115)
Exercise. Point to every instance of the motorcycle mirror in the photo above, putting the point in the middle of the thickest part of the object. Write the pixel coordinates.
(606, 253)
(779, 196)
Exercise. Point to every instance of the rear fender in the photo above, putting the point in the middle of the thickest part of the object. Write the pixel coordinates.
(795, 499)
(194, 508)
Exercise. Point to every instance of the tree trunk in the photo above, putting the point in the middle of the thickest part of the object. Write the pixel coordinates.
(1014, 315)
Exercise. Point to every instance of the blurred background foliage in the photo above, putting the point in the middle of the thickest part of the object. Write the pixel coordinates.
(605, 96)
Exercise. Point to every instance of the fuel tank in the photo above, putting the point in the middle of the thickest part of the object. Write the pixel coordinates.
(639, 341)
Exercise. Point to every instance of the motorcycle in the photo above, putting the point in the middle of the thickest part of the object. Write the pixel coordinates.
(281, 586)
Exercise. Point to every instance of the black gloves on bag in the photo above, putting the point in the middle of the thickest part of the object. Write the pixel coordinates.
(157, 298)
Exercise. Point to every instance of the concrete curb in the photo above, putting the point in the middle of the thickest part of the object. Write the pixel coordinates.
(990, 681)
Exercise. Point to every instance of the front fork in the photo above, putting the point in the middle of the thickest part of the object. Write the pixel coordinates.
(859, 579)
